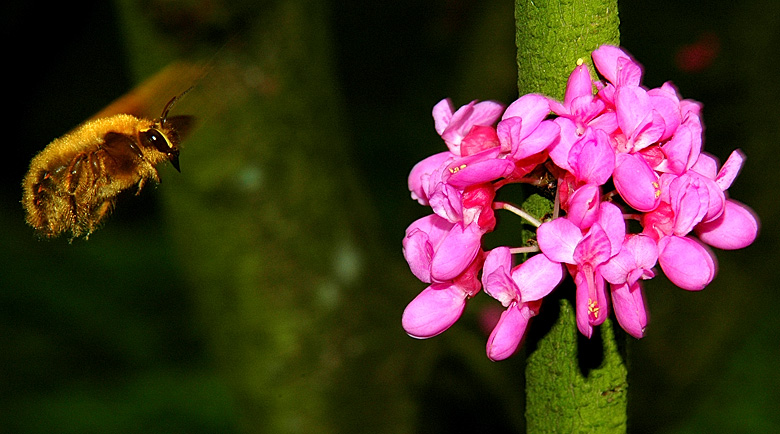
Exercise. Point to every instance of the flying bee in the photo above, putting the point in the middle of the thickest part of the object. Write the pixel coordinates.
(73, 183)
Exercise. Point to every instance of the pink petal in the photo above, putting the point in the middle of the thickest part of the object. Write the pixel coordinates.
(686, 262)
(636, 182)
(591, 300)
(559, 150)
(644, 249)
(478, 169)
(617, 269)
(558, 239)
(486, 113)
(420, 243)
(611, 220)
(706, 165)
(509, 331)
(442, 114)
(736, 228)
(445, 201)
(508, 131)
(434, 310)
(496, 276)
(532, 108)
(616, 66)
(633, 108)
(730, 169)
(678, 151)
(665, 101)
(629, 305)
(545, 135)
(594, 249)
(635, 260)
(579, 84)
(537, 277)
(466, 117)
(716, 197)
(458, 249)
(498, 260)
(606, 122)
(649, 133)
(420, 177)
(583, 205)
(592, 158)
(479, 138)
(689, 200)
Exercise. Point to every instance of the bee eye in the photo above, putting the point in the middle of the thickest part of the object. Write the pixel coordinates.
(153, 137)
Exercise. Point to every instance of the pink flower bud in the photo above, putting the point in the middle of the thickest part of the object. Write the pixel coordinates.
(434, 310)
(636, 182)
(509, 331)
(630, 310)
(686, 262)
(582, 208)
(736, 228)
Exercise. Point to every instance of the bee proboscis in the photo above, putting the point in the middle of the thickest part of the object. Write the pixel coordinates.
(73, 183)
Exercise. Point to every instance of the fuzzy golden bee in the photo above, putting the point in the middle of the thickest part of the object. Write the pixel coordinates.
(73, 183)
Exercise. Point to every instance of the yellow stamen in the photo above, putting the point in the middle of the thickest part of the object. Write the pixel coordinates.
(457, 169)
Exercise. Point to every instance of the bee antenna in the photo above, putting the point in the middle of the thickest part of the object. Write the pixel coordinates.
(168, 106)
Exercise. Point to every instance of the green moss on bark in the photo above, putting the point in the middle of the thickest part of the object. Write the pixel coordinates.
(572, 384)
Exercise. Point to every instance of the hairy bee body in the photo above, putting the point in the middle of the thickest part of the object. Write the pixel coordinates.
(73, 183)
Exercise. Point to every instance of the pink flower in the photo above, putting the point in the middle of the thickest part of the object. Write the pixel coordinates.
(525, 135)
(437, 250)
(591, 158)
(638, 120)
(736, 228)
(454, 126)
(440, 305)
(562, 241)
(683, 149)
(686, 262)
(648, 143)
(624, 271)
(426, 175)
(636, 182)
(520, 290)
(580, 105)
(616, 66)
(582, 206)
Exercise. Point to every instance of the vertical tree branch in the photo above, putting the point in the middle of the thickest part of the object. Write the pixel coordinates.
(275, 234)
(572, 384)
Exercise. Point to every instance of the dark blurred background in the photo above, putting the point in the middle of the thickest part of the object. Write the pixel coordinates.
(105, 335)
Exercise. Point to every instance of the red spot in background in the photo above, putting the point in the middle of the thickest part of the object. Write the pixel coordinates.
(489, 316)
(700, 55)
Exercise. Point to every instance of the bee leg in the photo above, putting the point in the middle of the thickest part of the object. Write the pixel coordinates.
(75, 178)
(40, 201)
(141, 184)
(83, 181)
(98, 213)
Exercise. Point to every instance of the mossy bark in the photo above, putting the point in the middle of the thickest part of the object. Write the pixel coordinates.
(572, 384)
(552, 34)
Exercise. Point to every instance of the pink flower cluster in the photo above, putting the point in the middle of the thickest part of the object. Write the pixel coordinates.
(623, 153)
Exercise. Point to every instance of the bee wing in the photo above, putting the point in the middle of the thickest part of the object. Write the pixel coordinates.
(182, 125)
(146, 99)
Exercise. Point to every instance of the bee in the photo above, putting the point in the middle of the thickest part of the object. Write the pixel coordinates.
(73, 183)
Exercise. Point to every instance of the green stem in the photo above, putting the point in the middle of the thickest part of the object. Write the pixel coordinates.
(572, 384)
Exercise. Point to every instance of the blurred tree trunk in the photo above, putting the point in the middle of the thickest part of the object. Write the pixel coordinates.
(274, 230)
